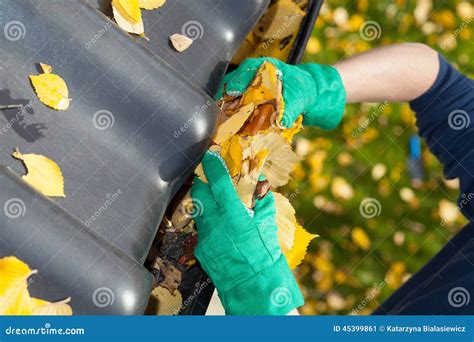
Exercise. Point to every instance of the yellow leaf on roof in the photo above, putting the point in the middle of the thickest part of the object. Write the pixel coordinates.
(125, 21)
(14, 296)
(151, 4)
(295, 256)
(47, 69)
(43, 174)
(180, 42)
(129, 10)
(51, 90)
(45, 308)
(233, 124)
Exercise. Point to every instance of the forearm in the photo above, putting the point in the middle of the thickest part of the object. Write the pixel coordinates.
(395, 73)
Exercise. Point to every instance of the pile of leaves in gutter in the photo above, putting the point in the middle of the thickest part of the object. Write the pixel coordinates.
(252, 142)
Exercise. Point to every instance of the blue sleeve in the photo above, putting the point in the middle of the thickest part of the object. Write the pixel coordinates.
(445, 119)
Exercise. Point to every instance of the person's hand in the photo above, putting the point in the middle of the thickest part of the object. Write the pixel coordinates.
(314, 90)
(238, 247)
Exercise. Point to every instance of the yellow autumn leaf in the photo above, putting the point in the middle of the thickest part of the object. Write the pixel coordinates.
(448, 211)
(14, 296)
(45, 308)
(245, 188)
(233, 124)
(129, 10)
(180, 42)
(199, 171)
(125, 21)
(232, 154)
(164, 303)
(360, 238)
(264, 87)
(280, 160)
(43, 174)
(285, 221)
(341, 189)
(289, 133)
(51, 90)
(47, 69)
(151, 4)
(295, 256)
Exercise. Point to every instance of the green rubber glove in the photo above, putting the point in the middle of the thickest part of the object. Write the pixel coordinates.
(238, 247)
(314, 90)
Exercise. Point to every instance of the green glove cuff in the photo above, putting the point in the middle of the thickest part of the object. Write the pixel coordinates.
(327, 109)
(273, 291)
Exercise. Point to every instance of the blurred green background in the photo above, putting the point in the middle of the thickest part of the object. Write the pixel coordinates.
(358, 262)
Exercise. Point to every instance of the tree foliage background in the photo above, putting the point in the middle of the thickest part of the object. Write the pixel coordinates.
(362, 255)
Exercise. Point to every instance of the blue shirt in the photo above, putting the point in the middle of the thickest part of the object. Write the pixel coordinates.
(445, 119)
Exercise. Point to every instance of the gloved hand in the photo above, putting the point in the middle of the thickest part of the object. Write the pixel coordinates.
(238, 248)
(314, 90)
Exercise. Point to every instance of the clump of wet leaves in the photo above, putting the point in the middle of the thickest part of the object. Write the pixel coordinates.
(253, 142)
(171, 257)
